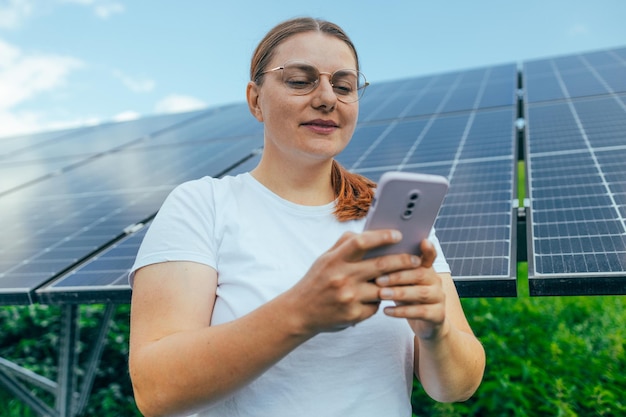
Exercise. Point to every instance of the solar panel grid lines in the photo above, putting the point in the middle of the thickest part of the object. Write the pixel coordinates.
(13, 145)
(576, 148)
(501, 90)
(61, 152)
(88, 206)
(468, 124)
(371, 151)
(444, 138)
(228, 122)
(104, 277)
(356, 145)
(435, 99)
(394, 99)
(476, 88)
(438, 140)
(106, 273)
(433, 143)
(597, 164)
(458, 124)
(595, 73)
(97, 139)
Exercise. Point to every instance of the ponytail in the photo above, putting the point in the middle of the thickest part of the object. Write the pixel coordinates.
(353, 192)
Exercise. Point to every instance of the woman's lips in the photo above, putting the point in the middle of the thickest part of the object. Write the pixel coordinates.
(321, 126)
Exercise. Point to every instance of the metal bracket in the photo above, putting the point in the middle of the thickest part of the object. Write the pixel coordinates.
(68, 401)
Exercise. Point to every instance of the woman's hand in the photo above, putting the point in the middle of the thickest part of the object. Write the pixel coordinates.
(339, 290)
(449, 360)
(418, 293)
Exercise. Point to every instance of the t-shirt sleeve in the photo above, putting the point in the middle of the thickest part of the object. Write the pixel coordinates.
(183, 229)
(440, 265)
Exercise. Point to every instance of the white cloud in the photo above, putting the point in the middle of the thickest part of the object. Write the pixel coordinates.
(176, 103)
(101, 8)
(8, 54)
(136, 85)
(23, 77)
(31, 75)
(13, 12)
(126, 116)
(17, 123)
(104, 11)
(69, 124)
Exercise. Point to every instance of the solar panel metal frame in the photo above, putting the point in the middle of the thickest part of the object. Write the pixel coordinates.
(578, 281)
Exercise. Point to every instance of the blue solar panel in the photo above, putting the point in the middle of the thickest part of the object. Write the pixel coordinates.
(388, 136)
(595, 73)
(104, 277)
(460, 124)
(35, 157)
(576, 148)
(54, 223)
(473, 146)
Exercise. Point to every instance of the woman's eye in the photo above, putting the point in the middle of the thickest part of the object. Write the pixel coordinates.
(343, 88)
(298, 83)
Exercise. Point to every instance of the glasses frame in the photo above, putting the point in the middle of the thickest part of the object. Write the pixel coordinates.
(303, 92)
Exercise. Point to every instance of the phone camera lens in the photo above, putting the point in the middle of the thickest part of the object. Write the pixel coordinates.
(414, 196)
(407, 213)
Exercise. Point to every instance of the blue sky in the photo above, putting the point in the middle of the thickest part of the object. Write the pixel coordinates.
(67, 63)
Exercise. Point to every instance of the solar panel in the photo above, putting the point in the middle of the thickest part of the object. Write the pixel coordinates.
(475, 223)
(440, 143)
(460, 124)
(54, 223)
(104, 277)
(471, 145)
(576, 148)
(35, 157)
(575, 76)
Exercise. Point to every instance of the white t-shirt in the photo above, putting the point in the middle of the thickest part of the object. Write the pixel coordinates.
(261, 245)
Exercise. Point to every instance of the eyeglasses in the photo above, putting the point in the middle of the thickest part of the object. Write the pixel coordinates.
(301, 78)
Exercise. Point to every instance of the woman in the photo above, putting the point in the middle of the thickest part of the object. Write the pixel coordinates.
(250, 295)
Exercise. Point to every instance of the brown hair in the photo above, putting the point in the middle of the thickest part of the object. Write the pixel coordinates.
(353, 192)
(264, 52)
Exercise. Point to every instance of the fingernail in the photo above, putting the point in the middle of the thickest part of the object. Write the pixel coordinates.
(415, 260)
(382, 280)
(396, 235)
(389, 310)
(386, 293)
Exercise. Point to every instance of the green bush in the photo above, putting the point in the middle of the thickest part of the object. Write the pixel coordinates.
(556, 356)
(29, 337)
(553, 356)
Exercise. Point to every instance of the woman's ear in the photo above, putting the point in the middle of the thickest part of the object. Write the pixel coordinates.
(252, 95)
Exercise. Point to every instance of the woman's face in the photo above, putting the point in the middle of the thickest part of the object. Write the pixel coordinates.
(311, 127)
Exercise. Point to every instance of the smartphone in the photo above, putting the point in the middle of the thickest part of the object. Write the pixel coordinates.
(407, 202)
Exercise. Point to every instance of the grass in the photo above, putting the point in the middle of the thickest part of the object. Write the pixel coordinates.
(550, 356)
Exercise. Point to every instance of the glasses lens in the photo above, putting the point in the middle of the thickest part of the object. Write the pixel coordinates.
(299, 77)
(302, 78)
(348, 84)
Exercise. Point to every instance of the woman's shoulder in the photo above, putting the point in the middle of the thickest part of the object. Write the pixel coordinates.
(209, 186)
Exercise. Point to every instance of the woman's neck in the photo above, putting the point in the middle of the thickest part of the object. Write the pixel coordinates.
(309, 186)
